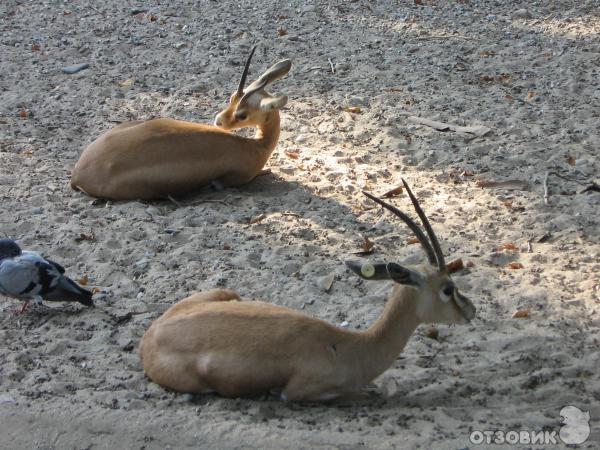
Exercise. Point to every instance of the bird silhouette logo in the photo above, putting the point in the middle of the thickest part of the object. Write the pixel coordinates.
(575, 425)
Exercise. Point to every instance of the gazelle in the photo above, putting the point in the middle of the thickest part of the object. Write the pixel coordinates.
(162, 157)
(216, 342)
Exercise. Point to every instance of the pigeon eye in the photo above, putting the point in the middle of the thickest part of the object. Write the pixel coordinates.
(448, 291)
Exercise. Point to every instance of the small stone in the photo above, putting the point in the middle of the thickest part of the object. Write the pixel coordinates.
(142, 263)
(344, 324)
(326, 282)
(300, 139)
(75, 68)
(522, 14)
(37, 211)
(179, 45)
(5, 398)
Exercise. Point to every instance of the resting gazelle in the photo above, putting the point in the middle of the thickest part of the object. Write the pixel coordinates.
(216, 342)
(158, 158)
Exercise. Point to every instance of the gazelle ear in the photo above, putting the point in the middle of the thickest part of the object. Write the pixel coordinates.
(369, 271)
(402, 275)
(271, 103)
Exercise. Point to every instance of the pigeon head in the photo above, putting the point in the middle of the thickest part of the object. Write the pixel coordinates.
(8, 249)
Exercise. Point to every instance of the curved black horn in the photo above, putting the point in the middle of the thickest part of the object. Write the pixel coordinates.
(411, 224)
(240, 88)
(434, 241)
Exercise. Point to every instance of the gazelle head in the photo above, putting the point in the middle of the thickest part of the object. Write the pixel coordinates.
(438, 299)
(249, 107)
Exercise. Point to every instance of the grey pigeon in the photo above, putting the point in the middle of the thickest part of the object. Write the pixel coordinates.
(27, 276)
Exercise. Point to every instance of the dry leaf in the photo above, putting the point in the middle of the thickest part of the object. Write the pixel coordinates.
(326, 282)
(293, 155)
(487, 78)
(35, 47)
(486, 53)
(454, 266)
(352, 109)
(521, 313)
(505, 78)
(27, 152)
(152, 18)
(281, 31)
(83, 280)
(393, 193)
(23, 113)
(393, 90)
(507, 247)
(282, 17)
(530, 95)
(509, 97)
(514, 265)
(85, 237)
(570, 160)
(507, 203)
(412, 240)
(127, 83)
(367, 245)
(432, 333)
(95, 290)
(418, 2)
(258, 218)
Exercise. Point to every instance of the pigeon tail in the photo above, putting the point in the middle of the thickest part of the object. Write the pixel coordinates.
(68, 290)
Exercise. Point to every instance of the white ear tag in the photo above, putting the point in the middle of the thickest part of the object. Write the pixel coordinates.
(367, 270)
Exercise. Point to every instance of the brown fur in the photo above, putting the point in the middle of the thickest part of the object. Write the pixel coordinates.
(214, 342)
(163, 157)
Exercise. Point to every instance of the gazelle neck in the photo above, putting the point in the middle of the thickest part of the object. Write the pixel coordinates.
(267, 136)
(387, 337)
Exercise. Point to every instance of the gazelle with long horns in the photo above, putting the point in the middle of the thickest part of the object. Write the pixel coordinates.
(162, 157)
(215, 342)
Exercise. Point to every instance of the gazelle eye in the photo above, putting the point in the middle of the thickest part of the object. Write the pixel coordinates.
(241, 116)
(446, 293)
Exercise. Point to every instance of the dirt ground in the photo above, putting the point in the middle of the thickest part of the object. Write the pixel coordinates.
(363, 74)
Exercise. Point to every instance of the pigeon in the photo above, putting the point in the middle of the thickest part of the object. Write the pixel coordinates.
(27, 275)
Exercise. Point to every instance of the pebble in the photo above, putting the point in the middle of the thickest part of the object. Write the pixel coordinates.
(5, 398)
(75, 68)
(37, 211)
(179, 45)
(344, 324)
(522, 14)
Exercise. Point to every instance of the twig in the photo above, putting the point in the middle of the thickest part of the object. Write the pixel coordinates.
(331, 65)
(314, 68)
(446, 36)
(208, 200)
(179, 205)
(546, 188)
(567, 178)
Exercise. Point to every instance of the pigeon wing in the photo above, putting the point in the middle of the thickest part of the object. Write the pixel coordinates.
(19, 279)
(56, 265)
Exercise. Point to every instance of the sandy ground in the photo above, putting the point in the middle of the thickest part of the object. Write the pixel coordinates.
(70, 377)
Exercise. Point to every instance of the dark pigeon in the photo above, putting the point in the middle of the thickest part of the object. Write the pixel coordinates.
(27, 276)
